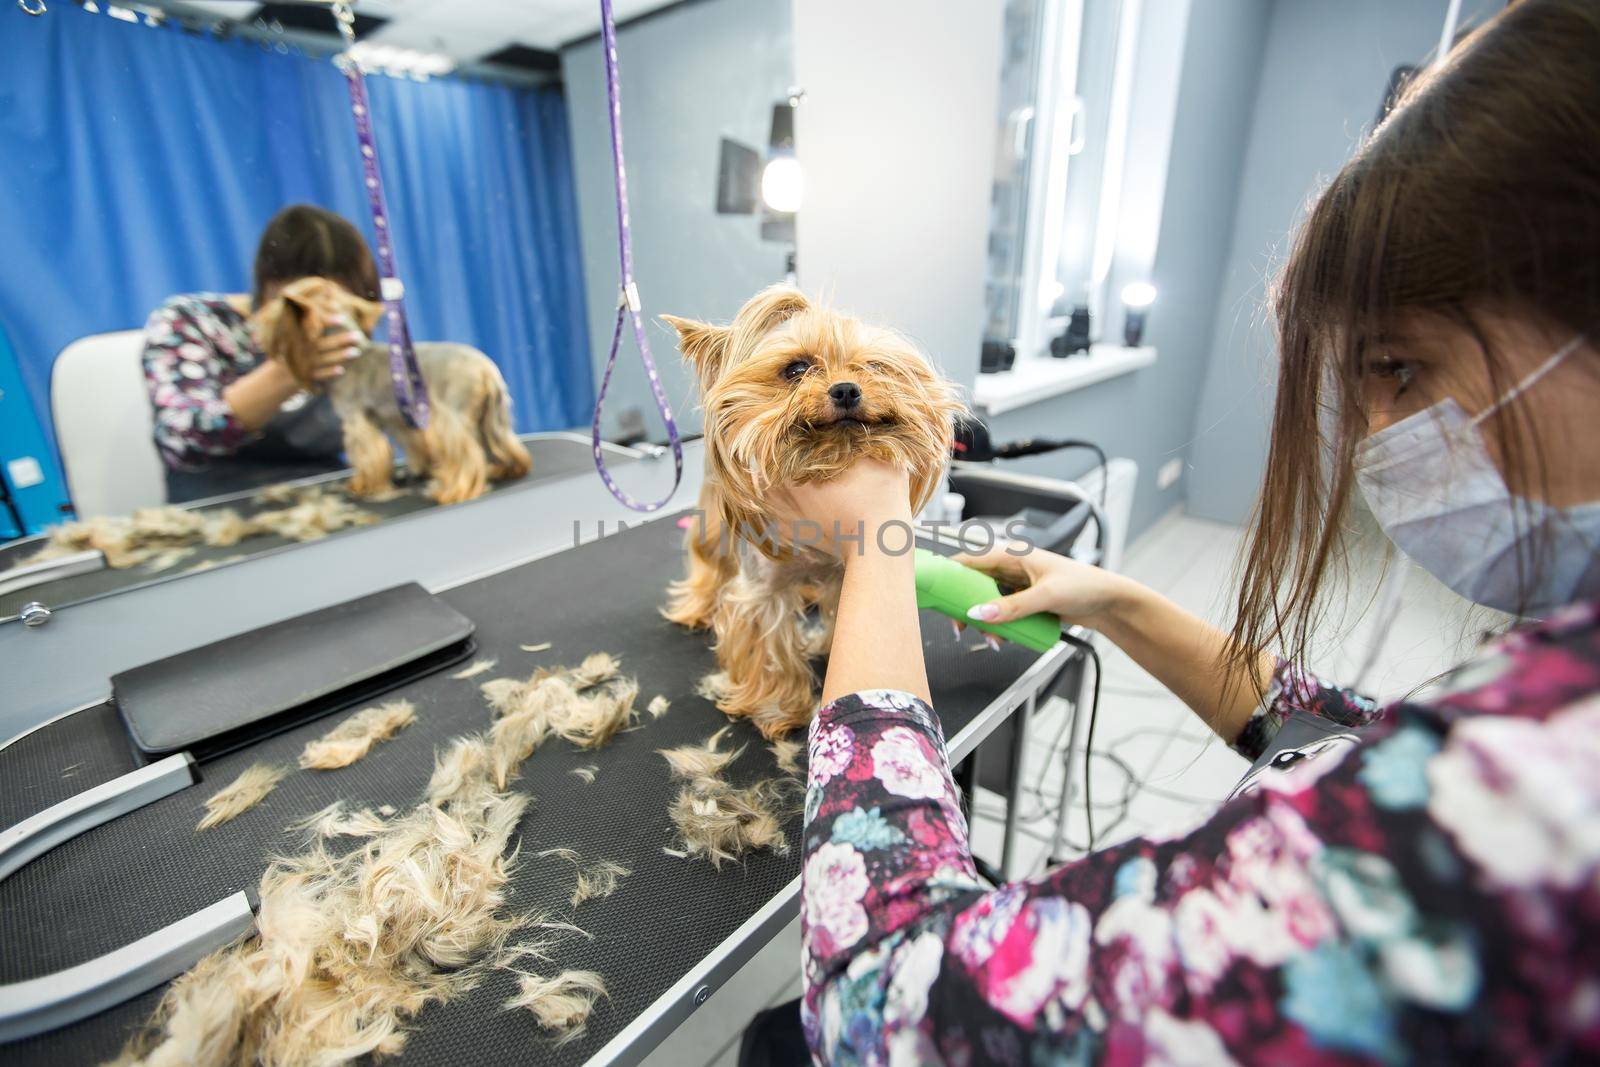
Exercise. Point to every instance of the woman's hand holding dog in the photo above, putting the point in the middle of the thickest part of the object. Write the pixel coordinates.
(255, 397)
(844, 515)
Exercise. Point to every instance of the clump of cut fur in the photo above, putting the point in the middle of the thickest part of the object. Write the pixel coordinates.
(542, 646)
(356, 736)
(241, 794)
(716, 820)
(658, 706)
(586, 705)
(587, 773)
(154, 536)
(482, 666)
(561, 1004)
(349, 948)
(700, 761)
(598, 879)
(786, 754)
(337, 820)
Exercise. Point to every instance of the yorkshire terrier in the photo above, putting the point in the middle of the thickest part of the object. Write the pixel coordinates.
(468, 441)
(792, 393)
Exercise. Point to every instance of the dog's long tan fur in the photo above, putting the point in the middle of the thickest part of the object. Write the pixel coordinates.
(468, 441)
(767, 426)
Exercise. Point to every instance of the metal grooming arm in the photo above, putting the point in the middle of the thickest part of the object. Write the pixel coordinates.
(31, 574)
(42, 1004)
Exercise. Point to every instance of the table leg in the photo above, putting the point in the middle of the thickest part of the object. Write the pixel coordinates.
(1019, 748)
(1069, 763)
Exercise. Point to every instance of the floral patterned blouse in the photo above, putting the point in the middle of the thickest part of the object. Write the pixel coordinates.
(195, 346)
(1430, 894)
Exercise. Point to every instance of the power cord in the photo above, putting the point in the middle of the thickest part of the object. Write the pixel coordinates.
(1088, 742)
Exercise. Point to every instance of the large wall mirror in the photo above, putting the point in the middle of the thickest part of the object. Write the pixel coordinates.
(194, 359)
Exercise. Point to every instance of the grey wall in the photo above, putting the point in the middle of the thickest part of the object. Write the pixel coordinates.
(1147, 415)
(897, 137)
(1325, 70)
(691, 75)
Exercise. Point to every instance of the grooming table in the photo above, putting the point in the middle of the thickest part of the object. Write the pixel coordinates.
(555, 455)
(670, 935)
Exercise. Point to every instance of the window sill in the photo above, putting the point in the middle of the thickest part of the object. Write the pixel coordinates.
(1040, 378)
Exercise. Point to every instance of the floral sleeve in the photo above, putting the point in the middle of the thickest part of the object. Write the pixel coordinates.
(1295, 689)
(1413, 897)
(185, 374)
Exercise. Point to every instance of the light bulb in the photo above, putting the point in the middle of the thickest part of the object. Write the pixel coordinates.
(1138, 295)
(783, 184)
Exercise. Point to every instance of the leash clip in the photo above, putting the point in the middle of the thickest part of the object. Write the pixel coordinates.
(629, 298)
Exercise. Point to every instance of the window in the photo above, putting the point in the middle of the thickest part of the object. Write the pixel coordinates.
(1062, 132)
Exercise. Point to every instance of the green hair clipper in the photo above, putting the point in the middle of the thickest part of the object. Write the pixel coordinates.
(950, 588)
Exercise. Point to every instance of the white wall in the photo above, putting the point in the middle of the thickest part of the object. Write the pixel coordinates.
(1147, 415)
(691, 74)
(897, 140)
(1325, 70)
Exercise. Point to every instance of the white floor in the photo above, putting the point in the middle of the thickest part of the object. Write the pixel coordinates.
(1178, 767)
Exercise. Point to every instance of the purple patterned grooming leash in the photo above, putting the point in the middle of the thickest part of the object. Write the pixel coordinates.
(628, 304)
(410, 392)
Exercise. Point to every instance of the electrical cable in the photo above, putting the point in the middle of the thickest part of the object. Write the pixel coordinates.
(1038, 445)
(1088, 742)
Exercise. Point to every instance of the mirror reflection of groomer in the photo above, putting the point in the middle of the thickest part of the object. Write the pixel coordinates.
(227, 417)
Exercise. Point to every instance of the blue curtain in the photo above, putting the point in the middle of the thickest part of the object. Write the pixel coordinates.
(138, 162)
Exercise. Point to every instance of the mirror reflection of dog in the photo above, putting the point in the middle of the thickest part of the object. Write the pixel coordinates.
(468, 442)
(792, 392)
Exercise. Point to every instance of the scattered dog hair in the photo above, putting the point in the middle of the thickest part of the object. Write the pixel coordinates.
(712, 686)
(385, 810)
(462, 766)
(786, 754)
(658, 706)
(152, 536)
(483, 666)
(166, 559)
(586, 705)
(561, 1004)
(587, 773)
(208, 564)
(543, 646)
(354, 738)
(596, 667)
(241, 794)
(598, 879)
(349, 947)
(702, 760)
(336, 820)
(716, 820)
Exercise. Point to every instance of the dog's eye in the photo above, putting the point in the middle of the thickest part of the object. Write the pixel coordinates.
(796, 369)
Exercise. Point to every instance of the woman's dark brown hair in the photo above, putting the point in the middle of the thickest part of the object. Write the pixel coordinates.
(303, 241)
(1478, 195)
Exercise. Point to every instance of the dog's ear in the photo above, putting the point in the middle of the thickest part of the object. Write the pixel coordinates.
(286, 330)
(368, 314)
(701, 343)
(770, 308)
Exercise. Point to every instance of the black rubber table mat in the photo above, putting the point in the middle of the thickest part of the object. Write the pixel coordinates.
(149, 868)
(552, 458)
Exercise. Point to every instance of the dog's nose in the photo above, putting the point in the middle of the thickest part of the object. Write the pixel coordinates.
(846, 395)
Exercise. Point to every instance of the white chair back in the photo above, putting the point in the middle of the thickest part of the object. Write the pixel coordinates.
(104, 425)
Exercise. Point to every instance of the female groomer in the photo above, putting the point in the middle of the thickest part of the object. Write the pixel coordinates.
(1430, 894)
(226, 417)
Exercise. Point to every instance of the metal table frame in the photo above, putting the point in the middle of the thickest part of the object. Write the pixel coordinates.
(641, 1035)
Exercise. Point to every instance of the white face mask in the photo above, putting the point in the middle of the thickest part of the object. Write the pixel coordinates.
(1439, 497)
